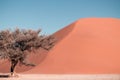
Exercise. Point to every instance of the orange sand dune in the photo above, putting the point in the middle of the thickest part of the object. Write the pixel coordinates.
(91, 46)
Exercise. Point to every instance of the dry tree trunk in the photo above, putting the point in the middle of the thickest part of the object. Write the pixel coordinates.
(13, 65)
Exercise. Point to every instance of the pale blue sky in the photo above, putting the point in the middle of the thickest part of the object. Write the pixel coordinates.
(52, 15)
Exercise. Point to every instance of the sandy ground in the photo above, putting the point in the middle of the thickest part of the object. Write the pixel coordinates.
(64, 77)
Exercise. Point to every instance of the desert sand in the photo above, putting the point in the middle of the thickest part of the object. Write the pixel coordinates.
(87, 46)
(64, 77)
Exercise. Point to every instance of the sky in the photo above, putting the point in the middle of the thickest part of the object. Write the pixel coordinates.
(53, 15)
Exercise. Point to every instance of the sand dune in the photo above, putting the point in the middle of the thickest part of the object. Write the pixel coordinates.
(87, 46)
(92, 46)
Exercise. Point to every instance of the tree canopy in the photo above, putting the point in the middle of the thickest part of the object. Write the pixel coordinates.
(16, 45)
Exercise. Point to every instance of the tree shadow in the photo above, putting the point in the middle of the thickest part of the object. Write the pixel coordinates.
(4, 76)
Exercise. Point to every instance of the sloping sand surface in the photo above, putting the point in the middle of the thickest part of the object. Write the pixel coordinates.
(92, 46)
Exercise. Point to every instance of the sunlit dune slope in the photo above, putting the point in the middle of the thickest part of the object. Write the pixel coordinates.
(91, 46)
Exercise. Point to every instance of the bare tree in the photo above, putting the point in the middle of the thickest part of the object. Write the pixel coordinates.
(16, 45)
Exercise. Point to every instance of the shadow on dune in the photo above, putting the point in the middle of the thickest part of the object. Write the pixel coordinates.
(4, 76)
